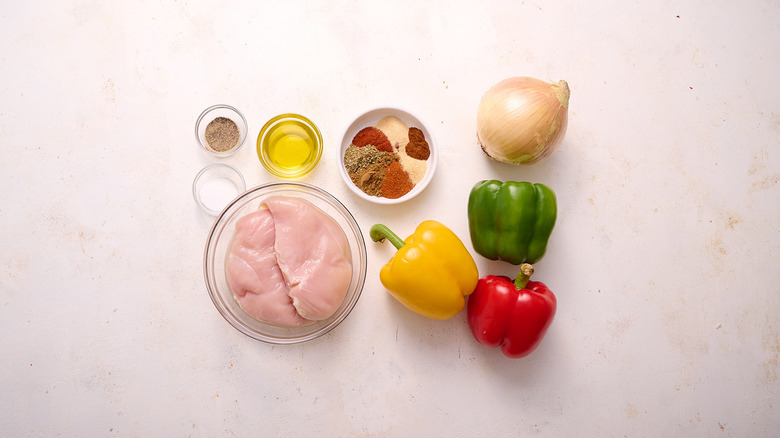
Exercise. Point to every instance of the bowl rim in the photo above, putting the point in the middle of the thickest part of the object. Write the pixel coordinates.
(229, 108)
(217, 298)
(419, 187)
(263, 157)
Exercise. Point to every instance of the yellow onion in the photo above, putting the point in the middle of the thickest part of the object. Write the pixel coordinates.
(522, 120)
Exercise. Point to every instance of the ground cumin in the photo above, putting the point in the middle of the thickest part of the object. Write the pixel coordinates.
(370, 180)
(366, 167)
(397, 182)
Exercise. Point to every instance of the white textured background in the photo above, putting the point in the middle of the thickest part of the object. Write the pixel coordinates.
(664, 258)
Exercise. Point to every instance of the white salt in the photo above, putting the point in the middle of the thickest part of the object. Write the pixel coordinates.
(216, 193)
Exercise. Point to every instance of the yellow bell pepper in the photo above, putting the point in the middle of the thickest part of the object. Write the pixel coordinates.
(431, 273)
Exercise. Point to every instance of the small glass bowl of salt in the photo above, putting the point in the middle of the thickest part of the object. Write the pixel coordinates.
(215, 186)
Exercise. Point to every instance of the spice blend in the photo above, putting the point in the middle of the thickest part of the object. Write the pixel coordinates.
(388, 159)
(222, 135)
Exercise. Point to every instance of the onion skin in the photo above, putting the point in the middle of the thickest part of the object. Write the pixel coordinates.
(522, 120)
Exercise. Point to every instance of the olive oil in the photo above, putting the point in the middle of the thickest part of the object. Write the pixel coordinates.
(289, 146)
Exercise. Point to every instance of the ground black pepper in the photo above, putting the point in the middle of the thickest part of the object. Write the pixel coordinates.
(222, 135)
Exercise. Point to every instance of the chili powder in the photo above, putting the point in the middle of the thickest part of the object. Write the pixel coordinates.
(397, 182)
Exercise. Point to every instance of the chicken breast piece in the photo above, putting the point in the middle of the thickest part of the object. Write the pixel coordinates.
(254, 275)
(289, 263)
(313, 255)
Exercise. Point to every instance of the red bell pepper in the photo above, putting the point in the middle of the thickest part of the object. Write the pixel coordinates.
(513, 316)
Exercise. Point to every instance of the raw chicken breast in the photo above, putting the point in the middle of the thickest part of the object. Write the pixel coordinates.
(313, 256)
(254, 275)
(289, 263)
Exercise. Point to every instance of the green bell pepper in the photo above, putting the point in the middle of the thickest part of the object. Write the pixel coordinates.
(511, 221)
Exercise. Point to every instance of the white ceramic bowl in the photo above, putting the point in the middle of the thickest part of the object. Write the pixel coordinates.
(218, 243)
(371, 118)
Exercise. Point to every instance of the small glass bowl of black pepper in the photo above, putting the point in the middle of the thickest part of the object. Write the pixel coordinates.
(221, 130)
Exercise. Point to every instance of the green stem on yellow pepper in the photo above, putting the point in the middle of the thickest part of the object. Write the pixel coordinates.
(526, 271)
(379, 232)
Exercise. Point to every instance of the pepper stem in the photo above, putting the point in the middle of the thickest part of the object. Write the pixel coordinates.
(526, 271)
(380, 232)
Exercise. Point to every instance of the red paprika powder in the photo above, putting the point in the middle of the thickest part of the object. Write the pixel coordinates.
(372, 136)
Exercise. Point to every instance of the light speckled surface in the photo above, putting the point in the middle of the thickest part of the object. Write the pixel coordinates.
(664, 258)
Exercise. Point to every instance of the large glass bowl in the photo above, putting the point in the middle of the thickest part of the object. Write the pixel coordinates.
(218, 243)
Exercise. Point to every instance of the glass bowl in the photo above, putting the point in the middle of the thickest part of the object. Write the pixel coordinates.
(209, 115)
(218, 243)
(215, 186)
(371, 118)
(289, 146)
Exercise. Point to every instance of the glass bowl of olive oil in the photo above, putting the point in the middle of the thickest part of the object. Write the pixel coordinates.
(289, 145)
